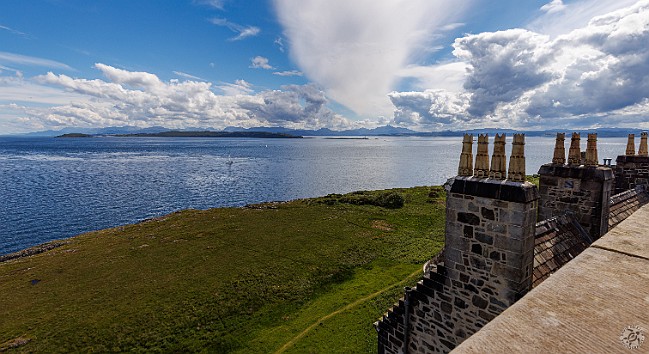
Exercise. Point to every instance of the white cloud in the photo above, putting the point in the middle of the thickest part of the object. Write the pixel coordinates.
(217, 4)
(18, 59)
(13, 31)
(18, 90)
(355, 49)
(574, 15)
(187, 76)
(595, 75)
(142, 99)
(280, 44)
(259, 62)
(553, 6)
(452, 26)
(288, 73)
(242, 31)
(239, 87)
(448, 76)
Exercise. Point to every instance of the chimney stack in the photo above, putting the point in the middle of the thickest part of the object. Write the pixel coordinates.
(466, 158)
(643, 145)
(517, 160)
(591, 150)
(482, 157)
(559, 157)
(630, 146)
(498, 159)
(574, 154)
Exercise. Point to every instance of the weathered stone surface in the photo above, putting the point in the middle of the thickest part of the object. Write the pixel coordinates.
(630, 146)
(642, 150)
(581, 190)
(591, 150)
(481, 169)
(559, 156)
(574, 153)
(631, 171)
(587, 303)
(466, 157)
(517, 160)
(498, 159)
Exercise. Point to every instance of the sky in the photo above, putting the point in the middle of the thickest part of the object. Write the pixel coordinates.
(309, 64)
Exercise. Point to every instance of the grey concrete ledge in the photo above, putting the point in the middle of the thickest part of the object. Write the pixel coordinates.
(585, 306)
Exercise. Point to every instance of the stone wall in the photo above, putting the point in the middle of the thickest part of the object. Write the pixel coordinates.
(487, 266)
(583, 191)
(631, 171)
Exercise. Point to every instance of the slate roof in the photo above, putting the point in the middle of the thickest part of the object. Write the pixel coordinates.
(556, 242)
(622, 205)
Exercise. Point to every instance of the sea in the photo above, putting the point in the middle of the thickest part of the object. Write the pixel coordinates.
(55, 188)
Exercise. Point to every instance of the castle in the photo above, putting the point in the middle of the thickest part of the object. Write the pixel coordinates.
(504, 236)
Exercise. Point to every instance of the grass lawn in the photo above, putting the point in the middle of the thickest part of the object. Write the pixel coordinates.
(303, 276)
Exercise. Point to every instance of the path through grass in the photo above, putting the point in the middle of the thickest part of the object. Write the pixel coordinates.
(246, 280)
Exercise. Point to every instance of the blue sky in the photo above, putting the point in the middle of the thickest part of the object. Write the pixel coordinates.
(421, 64)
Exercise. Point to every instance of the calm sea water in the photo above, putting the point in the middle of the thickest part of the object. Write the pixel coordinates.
(56, 188)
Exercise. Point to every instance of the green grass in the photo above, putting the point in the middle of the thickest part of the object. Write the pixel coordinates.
(303, 276)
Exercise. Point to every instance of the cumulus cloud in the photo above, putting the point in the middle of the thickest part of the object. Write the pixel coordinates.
(355, 49)
(259, 62)
(142, 99)
(553, 6)
(431, 108)
(592, 75)
(242, 31)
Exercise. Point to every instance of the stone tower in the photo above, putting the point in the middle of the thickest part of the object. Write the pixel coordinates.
(498, 159)
(466, 157)
(559, 156)
(482, 157)
(581, 190)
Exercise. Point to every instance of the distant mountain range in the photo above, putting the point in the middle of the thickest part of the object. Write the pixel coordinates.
(380, 131)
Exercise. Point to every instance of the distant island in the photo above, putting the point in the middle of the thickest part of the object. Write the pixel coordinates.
(75, 135)
(280, 132)
(193, 134)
